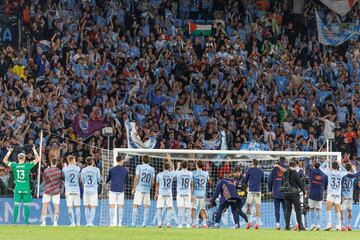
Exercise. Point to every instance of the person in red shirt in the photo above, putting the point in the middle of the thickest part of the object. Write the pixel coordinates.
(52, 182)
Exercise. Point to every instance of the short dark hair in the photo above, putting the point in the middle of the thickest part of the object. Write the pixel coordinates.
(199, 164)
(282, 159)
(255, 162)
(335, 165)
(237, 169)
(145, 159)
(292, 164)
(166, 166)
(119, 158)
(317, 165)
(184, 164)
(89, 161)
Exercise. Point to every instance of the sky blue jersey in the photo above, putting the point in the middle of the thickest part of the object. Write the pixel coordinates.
(184, 179)
(145, 174)
(165, 180)
(90, 177)
(72, 175)
(200, 179)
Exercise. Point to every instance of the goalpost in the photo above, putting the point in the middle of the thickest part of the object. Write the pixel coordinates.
(216, 162)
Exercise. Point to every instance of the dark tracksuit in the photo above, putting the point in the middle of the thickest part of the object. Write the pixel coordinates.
(238, 182)
(293, 198)
(318, 181)
(274, 184)
(228, 197)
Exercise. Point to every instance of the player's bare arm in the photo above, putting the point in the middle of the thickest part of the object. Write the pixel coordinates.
(6, 158)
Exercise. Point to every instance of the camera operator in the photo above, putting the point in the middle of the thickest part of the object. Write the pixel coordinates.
(291, 183)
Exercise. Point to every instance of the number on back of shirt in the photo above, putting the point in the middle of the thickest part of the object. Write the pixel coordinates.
(72, 178)
(335, 182)
(348, 184)
(89, 180)
(200, 183)
(145, 177)
(20, 174)
(185, 182)
(167, 182)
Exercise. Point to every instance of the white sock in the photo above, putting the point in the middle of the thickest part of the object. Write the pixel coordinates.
(328, 216)
(78, 215)
(71, 215)
(56, 217)
(87, 215)
(112, 215)
(158, 215)
(92, 215)
(44, 219)
(120, 215)
(169, 213)
(146, 215)
(258, 220)
(188, 215)
(181, 213)
(134, 213)
(312, 214)
(338, 220)
(319, 218)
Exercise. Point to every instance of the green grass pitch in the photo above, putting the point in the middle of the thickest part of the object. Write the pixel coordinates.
(102, 233)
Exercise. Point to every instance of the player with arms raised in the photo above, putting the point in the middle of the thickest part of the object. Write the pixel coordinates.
(200, 179)
(71, 175)
(144, 180)
(347, 196)
(184, 179)
(163, 194)
(21, 171)
(335, 175)
(90, 177)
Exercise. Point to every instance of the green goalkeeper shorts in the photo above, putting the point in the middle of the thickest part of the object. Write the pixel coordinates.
(24, 197)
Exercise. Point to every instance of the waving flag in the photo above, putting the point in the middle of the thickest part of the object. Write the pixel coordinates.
(328, 37)
(84, 127)
(341, 7)
(134, 140)
(200, 29)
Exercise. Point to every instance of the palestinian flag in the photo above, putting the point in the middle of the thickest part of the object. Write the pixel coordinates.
(200, 29)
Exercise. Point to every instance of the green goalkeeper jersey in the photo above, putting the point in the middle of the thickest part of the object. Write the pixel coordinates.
(21, 175)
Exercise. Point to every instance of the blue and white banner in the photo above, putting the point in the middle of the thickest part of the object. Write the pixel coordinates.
(134, 140)
(267, 214)
(332, 38)
(218, 144)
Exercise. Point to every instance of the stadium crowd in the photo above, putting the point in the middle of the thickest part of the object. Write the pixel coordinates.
(261, 76)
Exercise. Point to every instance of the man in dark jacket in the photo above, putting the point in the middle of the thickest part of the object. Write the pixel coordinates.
(291, 184)
(274, 185)
(227, 191)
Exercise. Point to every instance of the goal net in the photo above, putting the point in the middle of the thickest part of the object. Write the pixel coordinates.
(218, 163)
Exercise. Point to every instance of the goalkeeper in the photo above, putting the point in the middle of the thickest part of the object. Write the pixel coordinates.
(21, 171)
(228, 197)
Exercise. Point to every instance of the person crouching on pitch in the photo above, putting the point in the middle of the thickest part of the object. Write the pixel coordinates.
(228, 197)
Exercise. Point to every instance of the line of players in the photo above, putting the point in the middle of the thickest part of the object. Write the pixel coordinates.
(330, 175)
(191, 190)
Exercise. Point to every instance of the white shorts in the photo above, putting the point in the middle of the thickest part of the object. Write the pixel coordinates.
(141, 199)
(196, 201)
(164, 201)
(72, 199)
(91, 199)
(346, 203)
(55, 199)
(315, 204)
(183, 201)
(253, 197)
(116, 198)
(333, 198)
